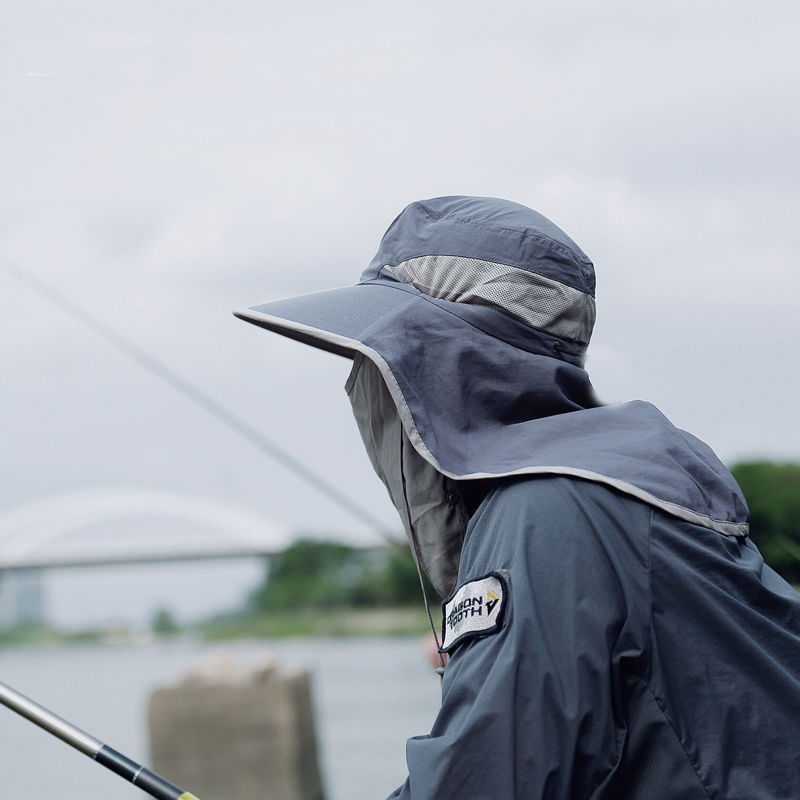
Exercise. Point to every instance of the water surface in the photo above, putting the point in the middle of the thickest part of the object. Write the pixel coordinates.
(370, 696)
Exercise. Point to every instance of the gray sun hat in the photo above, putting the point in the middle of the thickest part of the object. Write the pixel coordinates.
(472, 307)
(477, 312)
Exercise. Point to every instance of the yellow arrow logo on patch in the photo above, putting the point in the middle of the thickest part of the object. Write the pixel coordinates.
(491, 601)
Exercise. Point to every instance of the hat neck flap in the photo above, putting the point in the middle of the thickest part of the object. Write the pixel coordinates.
(475, 406)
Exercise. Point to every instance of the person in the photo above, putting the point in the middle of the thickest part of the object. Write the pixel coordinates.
(612, 631)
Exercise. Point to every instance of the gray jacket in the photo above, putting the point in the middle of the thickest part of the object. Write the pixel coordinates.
(634, 655)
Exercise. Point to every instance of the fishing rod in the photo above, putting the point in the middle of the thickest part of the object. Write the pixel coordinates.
(199, 397)
(140, 776)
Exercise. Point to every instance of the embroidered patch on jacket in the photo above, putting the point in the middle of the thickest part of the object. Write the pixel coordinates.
(476, 609)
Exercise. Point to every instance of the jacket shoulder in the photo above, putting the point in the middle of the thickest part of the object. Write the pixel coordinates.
(565, 506)
(559, 525)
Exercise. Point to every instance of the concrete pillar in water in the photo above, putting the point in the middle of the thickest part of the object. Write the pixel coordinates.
(228, 733)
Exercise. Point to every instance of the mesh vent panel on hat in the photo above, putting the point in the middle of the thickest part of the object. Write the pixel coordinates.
(538, 301)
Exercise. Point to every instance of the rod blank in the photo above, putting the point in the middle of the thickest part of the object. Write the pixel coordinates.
(125, 767)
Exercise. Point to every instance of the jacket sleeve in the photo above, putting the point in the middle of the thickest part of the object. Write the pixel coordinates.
(534, 710)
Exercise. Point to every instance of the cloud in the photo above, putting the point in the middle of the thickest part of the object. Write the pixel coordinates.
(185, 162)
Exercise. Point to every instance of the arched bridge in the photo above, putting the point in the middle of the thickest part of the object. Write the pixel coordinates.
(113, 526)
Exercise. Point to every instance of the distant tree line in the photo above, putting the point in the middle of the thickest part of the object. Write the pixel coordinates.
(773, 495)
(324, 574)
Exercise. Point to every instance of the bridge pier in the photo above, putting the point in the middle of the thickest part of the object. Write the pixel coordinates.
(238, 734)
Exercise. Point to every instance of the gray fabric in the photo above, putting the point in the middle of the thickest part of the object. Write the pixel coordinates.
(485, 228)
(483, 394)
(641, 657)
(534, 299)
(472, 422)
(652, 757)
(431, 508)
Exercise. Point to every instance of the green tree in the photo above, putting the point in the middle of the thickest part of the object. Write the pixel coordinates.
(310, 574)
(395, 581)
(322, 574)
(773, 495)
(164, 622)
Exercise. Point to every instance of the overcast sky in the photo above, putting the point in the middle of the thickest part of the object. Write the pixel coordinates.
(165, 163)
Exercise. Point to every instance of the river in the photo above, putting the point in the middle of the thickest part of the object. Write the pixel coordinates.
(370, 695)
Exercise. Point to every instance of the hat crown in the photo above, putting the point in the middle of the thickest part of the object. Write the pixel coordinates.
(490, 252)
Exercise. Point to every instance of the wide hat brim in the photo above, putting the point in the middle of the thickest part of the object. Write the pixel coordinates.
(336, 320)
(343, 320)
(440, 361)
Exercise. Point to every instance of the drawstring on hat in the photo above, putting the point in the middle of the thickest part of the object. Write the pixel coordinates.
(413, 540)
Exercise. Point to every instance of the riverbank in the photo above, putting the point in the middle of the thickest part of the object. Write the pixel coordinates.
(338, 622)
(318, 622)
(22, 635)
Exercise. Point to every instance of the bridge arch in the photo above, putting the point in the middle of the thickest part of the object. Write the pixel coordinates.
(31, 532)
